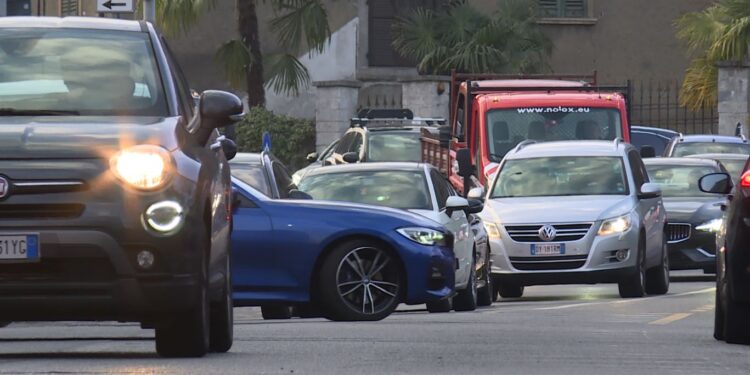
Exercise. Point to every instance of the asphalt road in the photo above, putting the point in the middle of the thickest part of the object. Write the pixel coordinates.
(578, 329)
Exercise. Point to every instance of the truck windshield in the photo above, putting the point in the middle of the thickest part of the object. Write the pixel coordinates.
(561, 176)
(506, 128)
(78, 72)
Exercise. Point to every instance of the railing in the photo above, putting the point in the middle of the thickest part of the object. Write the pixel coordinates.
(656, 103)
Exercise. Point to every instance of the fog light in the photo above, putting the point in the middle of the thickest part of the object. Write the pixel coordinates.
(164, 217)
(621, 255)
(145, 259)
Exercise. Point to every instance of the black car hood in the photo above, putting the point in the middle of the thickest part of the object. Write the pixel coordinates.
(47, 137)
(693, 210)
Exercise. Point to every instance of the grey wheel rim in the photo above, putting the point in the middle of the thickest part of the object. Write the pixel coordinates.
(368, 280)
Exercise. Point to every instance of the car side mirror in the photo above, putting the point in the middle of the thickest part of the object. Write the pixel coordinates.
(476, 193)
(219, 109)
(299, 194)
(463, 157)
(455, 203)
(716, 183)
(475, 206)
(229, 147)
(350, 157)
(648, 151)
(312, 157)
(650, 190)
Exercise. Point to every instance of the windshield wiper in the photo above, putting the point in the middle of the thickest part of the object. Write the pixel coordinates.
(36, 112)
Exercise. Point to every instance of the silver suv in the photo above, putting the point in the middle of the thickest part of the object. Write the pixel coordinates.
(575, 212)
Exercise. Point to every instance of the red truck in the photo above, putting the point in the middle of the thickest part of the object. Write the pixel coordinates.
(491, 115)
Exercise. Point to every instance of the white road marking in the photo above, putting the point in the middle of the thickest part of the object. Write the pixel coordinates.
(572, 305)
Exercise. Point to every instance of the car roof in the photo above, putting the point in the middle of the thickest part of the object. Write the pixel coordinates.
(379, 166)
(693, 162)
(246, 158)
(710, 138)
(653, 130)
(720, 156)
(570, 148)
(72, 23)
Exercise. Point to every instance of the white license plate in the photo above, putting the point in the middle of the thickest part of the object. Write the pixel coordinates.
(19, 247)
(547, 249)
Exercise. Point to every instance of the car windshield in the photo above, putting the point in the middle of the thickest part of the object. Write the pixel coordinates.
(252, 175)
(561, 176)
(396, 189)
(394, 146)
(679, 180)
(508, 127)
(692, 148)
(79, 72)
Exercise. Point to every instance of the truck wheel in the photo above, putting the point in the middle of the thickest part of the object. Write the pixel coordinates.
(360, 281)
(466, 299)
(486, 294)
(276, 312)
(222, 315)
(633, 286)
(186, 333)
(510, 290)
(657, 278)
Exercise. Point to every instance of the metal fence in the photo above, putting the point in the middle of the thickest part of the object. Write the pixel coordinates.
(656, 103)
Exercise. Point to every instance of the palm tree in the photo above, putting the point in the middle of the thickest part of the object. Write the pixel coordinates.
(464, 38)
(719, 33)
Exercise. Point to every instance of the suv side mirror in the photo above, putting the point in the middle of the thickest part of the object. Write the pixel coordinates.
(219, 109)
(454, 204)
(350, 157)
(312, 157)
(650, 190)
(716, 183)
(648, 151)
(476, 193)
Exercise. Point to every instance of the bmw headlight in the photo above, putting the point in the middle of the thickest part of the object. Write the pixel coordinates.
(144, 167)
(618, 224)
(424, 236)
(493, 231)
(713, 226)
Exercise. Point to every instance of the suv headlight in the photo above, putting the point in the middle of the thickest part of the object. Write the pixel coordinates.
(713, 226)
(424, 236)
(618, 224)
(144, 167)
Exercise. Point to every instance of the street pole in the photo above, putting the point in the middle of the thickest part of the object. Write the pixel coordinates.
(149, 10)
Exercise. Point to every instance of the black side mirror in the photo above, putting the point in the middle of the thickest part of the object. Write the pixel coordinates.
(648, 151)
(350, 157)
(229, 147)
(219, 109)
(475, 206)
(298, 194)
(716, 183)
(463, 157)
(312, 157)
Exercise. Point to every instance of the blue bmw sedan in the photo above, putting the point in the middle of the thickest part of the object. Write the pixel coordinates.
(353, 262)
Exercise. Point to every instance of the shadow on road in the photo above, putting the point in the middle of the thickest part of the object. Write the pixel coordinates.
(78, 355)
(692, 278)
(59, 339)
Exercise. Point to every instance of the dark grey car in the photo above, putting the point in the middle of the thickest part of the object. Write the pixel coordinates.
(114, 190)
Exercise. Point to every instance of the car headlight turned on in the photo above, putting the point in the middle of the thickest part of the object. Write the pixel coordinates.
(615, 225)
(493, 231)
(144, 167)
(713, 226)
(424, 236)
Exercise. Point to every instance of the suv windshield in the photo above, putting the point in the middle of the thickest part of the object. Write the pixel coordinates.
(561, 176)
(72, 71)
(394, 146)
(692, 148)
(396, 189)
(679, 180)
(508, 127)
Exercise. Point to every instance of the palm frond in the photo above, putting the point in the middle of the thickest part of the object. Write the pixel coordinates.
(285, 73)
(301, 20)
(176, 17)
(699, 88)
(236, 58)
(416, 34)
(734, 43)
(699, 30)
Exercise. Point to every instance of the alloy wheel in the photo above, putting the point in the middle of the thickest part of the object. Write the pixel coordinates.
(368, 280)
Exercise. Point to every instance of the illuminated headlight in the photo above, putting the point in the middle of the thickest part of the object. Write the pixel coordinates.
(144, 167)
(615, 225)
(164, 217)
(492, 230)
(424, 236)
(713, 226)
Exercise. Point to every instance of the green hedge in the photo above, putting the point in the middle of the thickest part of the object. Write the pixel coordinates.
(291, 139)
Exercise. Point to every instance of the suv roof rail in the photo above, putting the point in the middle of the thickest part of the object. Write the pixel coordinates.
(523, 144)
(682, 137)
(372, 113)
(390, 122)
(617, 142)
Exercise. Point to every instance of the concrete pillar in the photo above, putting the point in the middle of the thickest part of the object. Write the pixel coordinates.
(734, 97)
(335, 105)
(427, 96)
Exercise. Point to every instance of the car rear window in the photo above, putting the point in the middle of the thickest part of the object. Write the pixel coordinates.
(394, 146)
(679, 180)
(692, 148)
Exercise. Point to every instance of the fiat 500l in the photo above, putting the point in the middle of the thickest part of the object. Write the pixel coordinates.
(114, 189)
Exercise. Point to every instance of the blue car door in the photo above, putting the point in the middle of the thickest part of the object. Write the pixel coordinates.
(253, 262)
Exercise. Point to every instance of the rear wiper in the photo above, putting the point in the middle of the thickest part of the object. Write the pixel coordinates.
(36, 112)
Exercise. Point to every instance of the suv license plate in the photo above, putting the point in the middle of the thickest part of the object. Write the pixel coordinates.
(19, 247)
(548, 249)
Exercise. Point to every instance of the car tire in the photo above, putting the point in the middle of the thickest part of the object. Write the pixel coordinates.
(4, 324)
(486, 295)
(634, 286)
(358, 274)
(306, 311)
(510, 290)
(495, 290)
(276, 312)
(441, 306)
(657, 278)
(222, 315)
(466, 299)
(186, 333)
(719, 325)
(736, 323)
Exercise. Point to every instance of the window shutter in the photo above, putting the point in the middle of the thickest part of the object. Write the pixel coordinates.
(549, 8)
(575, 9)
(69, 8)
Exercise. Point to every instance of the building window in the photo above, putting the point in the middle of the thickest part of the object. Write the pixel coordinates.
(563, 8)
(69, 8)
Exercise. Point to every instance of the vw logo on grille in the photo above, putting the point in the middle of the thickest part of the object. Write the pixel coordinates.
(547, 233)
(4, 187)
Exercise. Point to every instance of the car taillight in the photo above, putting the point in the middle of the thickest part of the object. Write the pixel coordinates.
(745, 180)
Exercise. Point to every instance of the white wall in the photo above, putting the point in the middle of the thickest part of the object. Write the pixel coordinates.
(337, 62)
